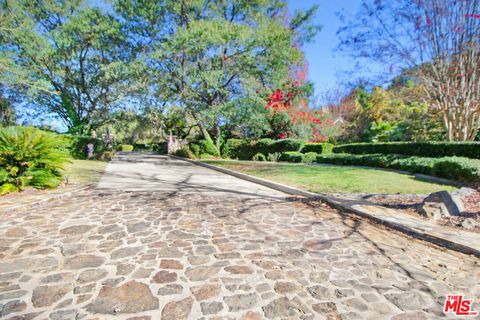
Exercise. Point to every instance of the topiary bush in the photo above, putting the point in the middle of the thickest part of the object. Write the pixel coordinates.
(309, 157)
(259, 157)
(422, 149)
(78, 146)
(31, 157)
(292, 156)
(320, 148)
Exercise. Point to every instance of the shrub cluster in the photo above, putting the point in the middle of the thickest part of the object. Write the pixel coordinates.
(259, 157)
(126, 147)
(422, 149)
(204, 148)
(320, 148)
(292, 156)
(247, 149)
(185, 152)
(30, 157)
(455, 168)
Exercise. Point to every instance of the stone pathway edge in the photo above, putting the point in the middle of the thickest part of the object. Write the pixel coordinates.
(347, 208)
(26, 206)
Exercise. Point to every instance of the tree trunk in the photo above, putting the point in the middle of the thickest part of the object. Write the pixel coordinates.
(203, 130)
(217, 136)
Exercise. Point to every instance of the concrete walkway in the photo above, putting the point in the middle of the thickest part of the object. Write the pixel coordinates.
(209, 247)
(149, 172)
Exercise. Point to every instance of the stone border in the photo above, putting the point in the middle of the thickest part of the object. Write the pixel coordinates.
(48, 198)
(344, 207)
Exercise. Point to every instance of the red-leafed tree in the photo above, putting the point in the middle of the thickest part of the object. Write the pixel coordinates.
(290, 116)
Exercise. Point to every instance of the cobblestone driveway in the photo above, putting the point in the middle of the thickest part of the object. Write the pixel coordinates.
(213, 254)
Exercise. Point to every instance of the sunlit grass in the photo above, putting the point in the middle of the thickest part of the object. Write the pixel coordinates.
(84, 171)
(342, 179)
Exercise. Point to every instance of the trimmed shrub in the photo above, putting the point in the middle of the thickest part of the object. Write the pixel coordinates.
(246, 150)
(207, 146)
(454, 168)
(30, 157)
(320, 148)
(259, 157)
(126, 147)
(292, 156)
(78, 146)
(285, 145)
(422, 149)
(195, 148)
(142, 147)
(309, 157)
(274, 156)
(371, 160)
(230, 148)
(185, 152)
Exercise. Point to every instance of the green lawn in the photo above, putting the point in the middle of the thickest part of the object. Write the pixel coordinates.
(340, 179)
(84, 171)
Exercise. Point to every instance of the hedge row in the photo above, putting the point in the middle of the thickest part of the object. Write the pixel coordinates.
(454, 168)
(320, 148)
(246, 150)
(423, 149)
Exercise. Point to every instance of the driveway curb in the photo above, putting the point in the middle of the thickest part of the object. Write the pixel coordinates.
(347, 208)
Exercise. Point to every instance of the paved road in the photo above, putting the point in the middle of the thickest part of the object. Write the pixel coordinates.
(213, 247)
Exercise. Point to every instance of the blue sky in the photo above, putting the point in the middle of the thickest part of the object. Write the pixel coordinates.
(324, 63)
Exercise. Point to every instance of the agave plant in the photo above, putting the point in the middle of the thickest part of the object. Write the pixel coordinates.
(30, 157)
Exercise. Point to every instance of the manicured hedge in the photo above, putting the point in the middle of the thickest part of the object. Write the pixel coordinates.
(204, 147)
(454, 168)
(126, 147)
(310, 157)
(284, 146)
(320, 148)
(231, 147)
(246, 149)
(292, 156)
(259, 157)
(422, 149)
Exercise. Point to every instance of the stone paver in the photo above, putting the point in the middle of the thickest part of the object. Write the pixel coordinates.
(235, 253)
